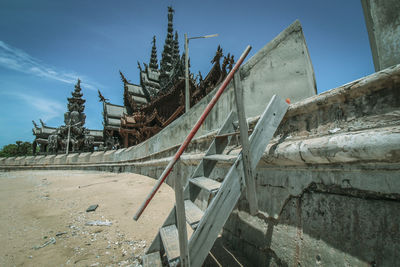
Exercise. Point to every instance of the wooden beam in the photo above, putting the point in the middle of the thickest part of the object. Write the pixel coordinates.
(181, 222)
(244, 140)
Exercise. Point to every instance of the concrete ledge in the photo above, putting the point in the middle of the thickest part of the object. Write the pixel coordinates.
(118, 154)
(96, 157)
(108, 156)
(2, 161)
(378, 145)
(29, 160)
(72, 158)
(84, 157)
(60, 159)
(19, 160)
(39, 159)
(48, 159)
(10, 161)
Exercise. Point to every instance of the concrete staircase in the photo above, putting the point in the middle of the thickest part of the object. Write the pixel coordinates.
(208, 203)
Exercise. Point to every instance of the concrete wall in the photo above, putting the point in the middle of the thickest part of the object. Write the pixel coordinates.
(328, 184)
(282, 67)
(383, 24)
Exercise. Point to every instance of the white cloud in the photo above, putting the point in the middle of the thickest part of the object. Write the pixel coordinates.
(16, 59)
(48, 108)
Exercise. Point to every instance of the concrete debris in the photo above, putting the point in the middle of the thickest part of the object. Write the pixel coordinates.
(98, 223)
(334, 130)
(51, 241)
(92, 208)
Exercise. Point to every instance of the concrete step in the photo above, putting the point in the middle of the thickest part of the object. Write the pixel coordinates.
(206, 183)
(193, 214)
(221, 157)
(152, 260)
(170, 240)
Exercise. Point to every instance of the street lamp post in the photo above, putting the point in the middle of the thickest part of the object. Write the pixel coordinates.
(187, 94)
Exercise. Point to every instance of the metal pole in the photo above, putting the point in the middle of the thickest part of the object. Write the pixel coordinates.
(194, 130)
(187, 93)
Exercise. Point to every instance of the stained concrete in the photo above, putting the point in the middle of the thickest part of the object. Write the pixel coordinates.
(383, 24)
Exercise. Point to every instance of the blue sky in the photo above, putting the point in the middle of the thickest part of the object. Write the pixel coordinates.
(45, 45)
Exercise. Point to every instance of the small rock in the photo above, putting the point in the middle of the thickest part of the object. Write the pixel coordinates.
(92, 208)
(99, 223)
(334, 130)
(61, 233)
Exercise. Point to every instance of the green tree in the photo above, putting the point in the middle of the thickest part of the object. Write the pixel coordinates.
(18, 149)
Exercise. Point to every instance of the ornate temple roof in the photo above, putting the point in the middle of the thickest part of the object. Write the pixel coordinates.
(112, 115)
(113, 111)
(43, 131)
(134, 89)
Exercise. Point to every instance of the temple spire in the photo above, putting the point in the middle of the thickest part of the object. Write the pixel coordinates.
(175, 51)
(123, 79)
(166, 60)
(153, 59)
(75, 106)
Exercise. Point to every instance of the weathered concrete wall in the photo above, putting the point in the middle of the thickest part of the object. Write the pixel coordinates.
(328, 184)
(282, 67)
(383, 25)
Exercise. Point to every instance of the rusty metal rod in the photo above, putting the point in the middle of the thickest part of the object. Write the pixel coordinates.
(192, 133)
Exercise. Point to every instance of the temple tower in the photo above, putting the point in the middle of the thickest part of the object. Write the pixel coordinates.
(74, 136)
(167, 54)
(175, 51)
(75, 114)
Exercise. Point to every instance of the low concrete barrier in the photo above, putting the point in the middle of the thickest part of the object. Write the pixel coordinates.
(108, 156)
(48, 159)
(97, 157)
(60, 159)
(72, 158)
(84, 157)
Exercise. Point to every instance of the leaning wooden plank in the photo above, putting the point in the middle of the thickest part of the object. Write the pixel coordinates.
(152, 260)
(251, 194)
(215, 216)
(169, 236)
(222, 205)
(266, 127)
(156, 245)
(181, 221)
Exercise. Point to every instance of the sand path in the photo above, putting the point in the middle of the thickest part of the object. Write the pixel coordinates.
(38, 207)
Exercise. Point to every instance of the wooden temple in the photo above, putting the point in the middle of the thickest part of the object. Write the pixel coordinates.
(73, 135)
(159, 99)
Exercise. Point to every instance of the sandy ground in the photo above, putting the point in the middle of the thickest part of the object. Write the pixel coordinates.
(40, 207)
